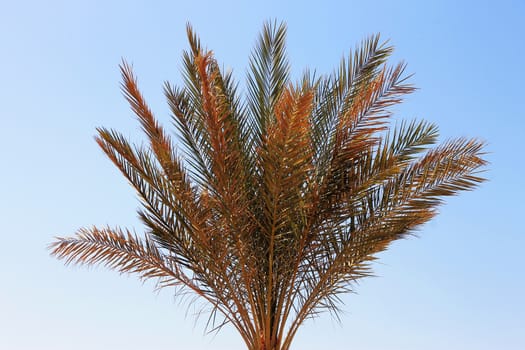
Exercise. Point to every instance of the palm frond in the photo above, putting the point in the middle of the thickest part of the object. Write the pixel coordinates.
(397, 207)
(337, 91)
(268, 75)
(119, 250)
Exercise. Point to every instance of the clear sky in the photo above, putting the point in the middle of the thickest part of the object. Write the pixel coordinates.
(459, 286)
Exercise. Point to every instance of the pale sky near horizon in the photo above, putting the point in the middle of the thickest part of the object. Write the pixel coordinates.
(459, 286)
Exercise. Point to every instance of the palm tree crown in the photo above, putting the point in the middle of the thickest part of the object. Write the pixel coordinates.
(282, 199)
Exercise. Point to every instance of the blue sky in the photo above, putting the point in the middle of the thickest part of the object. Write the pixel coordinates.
(459, 286)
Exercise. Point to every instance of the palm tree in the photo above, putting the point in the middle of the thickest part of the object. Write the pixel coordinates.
(282, 199)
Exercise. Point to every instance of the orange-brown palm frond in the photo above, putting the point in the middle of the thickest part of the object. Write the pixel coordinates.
(120, 250)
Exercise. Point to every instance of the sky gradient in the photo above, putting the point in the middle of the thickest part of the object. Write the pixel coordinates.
(459, 286)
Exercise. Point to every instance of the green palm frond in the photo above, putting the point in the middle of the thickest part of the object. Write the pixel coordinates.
(268, 75)
(282, 199)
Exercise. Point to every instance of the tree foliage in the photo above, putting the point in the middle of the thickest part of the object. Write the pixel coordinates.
(281, 199)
